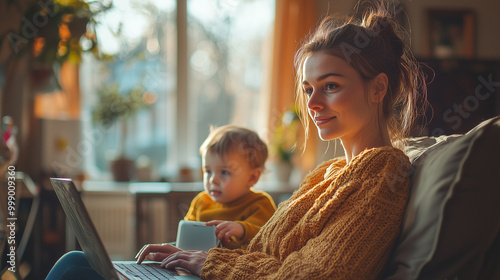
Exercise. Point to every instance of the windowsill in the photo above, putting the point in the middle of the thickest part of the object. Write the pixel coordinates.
(167, 187)
(141, 187)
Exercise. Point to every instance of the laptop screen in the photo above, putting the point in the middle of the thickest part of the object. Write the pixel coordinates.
(83, 227)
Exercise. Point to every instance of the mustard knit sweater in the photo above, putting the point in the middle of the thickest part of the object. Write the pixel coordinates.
(251, 211)
(340, 224)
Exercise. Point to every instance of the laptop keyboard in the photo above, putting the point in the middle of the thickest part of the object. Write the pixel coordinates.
(146, 271)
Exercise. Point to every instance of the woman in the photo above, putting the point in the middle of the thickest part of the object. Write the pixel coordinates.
(358, 82)
(343, 221)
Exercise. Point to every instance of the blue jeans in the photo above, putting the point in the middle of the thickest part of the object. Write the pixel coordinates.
(73, 266)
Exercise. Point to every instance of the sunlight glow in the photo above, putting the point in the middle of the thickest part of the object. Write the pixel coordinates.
(126, 23)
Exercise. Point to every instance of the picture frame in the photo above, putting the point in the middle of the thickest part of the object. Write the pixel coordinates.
(450, 34)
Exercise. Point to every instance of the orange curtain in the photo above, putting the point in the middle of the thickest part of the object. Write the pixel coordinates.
(294, 20)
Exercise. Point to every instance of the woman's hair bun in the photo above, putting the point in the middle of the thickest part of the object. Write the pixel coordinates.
(381, 23)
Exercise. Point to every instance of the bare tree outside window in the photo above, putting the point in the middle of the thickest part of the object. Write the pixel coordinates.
(225, 45)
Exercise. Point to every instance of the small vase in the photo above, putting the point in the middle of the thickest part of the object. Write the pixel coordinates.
(122, 169)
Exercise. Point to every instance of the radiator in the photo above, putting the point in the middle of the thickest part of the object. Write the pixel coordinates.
(113, 215)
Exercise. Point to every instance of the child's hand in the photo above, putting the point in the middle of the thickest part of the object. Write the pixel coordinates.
(225, 229)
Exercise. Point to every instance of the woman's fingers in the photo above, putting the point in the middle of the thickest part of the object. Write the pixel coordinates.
(140, 251)
(189, 260)
(176, 263)
(157, 257)
(168, 259)
(155, 252)
(143, 253)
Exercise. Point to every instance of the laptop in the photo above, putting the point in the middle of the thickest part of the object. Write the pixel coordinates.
(91, 244)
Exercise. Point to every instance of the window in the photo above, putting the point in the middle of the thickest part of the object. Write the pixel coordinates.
(202, 63)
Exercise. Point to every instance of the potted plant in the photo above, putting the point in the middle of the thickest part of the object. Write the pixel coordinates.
(116, 108)
(283, 144)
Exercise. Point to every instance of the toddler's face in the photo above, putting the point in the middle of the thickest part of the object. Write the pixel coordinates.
(226, 178)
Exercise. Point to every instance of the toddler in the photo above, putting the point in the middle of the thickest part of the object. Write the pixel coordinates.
(233, 159)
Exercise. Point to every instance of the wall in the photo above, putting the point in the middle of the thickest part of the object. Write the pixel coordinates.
(487, 35)
(487, 21)
(15, 92)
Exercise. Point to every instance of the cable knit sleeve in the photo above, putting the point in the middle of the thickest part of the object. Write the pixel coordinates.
(340, 228)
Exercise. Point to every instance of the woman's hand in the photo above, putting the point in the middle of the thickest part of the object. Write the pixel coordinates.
(156, 252)
(189, 260)
(225, 229)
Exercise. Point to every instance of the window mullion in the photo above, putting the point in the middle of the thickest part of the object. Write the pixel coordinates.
(184, 149)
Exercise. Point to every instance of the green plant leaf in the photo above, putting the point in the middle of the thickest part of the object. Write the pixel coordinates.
(114, 106)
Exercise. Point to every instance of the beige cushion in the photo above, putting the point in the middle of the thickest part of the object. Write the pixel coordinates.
(416, 146)
(451, 228)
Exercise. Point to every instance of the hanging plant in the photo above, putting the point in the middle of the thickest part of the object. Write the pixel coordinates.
(56, 31)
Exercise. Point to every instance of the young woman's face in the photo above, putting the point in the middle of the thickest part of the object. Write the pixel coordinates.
(226, 178)
(337, 102)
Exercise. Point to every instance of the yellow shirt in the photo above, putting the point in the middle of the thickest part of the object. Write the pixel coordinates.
(251, 211)
(340, 224)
